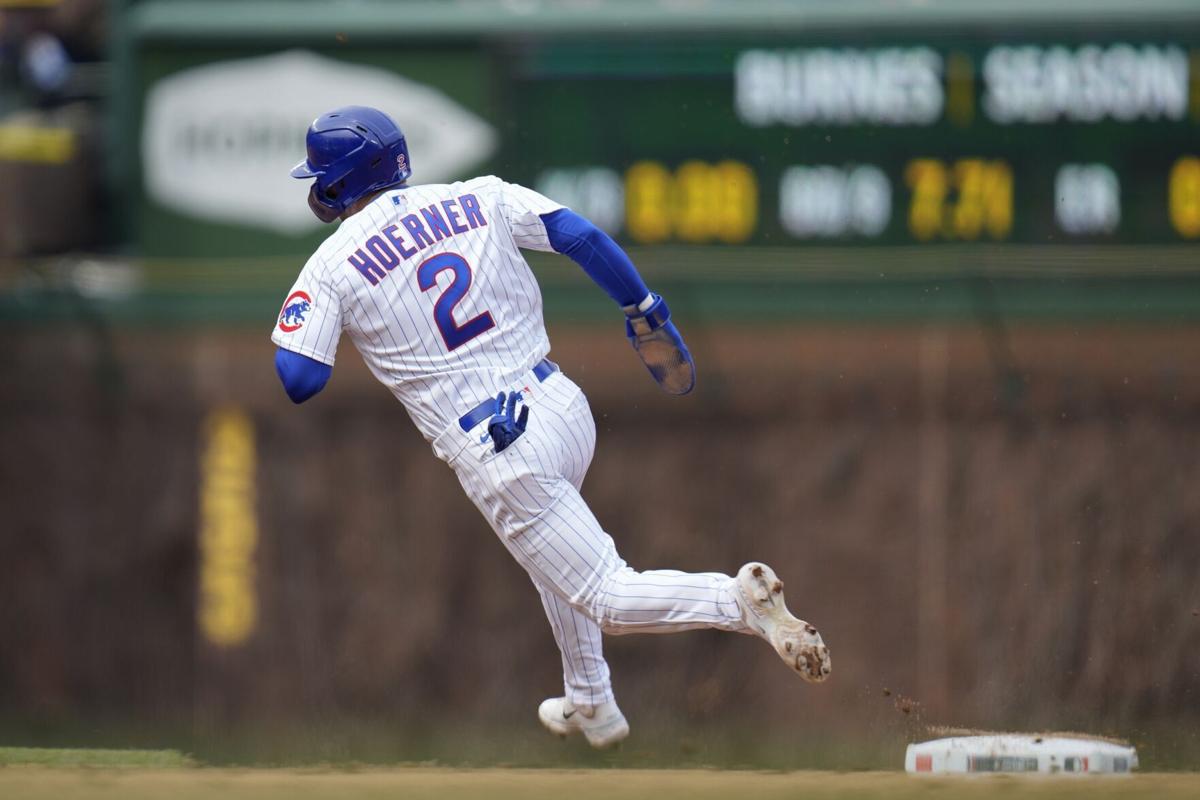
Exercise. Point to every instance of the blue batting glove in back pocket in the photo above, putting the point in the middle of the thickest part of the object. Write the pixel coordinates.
(504, 427)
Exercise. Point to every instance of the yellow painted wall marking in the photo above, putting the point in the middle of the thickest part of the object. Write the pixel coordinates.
(228, 610)
(36, 145)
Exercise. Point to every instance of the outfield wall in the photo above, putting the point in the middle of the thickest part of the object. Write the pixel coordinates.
(1000, 527)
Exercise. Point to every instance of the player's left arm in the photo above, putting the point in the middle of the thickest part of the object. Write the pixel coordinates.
(302, 377)
(307, 332)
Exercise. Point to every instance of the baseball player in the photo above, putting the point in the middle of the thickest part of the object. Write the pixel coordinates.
(429, 283)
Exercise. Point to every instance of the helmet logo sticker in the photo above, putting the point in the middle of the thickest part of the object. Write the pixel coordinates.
(291, 317)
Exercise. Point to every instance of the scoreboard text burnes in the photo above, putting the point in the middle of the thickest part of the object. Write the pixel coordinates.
(977, 141)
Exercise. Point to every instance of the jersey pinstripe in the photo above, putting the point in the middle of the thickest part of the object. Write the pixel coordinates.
(431, 287)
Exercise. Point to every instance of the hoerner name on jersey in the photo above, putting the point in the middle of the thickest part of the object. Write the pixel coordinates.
(384, 251)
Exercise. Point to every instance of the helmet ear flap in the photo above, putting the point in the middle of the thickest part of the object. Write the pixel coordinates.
(325, 211)
(333, 190)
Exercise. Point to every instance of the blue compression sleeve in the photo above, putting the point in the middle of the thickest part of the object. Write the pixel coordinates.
(601, 258)
(302, 376)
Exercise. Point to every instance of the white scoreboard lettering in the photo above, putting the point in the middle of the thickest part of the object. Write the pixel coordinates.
(1029, 84)
(826, 201)
(822, 86)
(593, 192)
(1087, 199)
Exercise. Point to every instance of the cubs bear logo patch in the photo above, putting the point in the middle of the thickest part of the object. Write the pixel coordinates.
(291, 317)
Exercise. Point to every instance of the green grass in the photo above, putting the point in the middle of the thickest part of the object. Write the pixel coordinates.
(418, 783)
(58, 757)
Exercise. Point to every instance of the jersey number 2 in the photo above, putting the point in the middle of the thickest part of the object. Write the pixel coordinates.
(455, 335)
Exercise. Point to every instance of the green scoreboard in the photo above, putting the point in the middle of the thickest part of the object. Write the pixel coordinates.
(861, 138)
(863, 158)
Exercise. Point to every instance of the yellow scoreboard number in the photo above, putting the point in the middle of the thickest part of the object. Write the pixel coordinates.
(959, 200)
(698, 202)
(1183, 196)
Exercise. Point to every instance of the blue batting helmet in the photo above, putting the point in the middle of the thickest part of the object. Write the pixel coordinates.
(352, 152)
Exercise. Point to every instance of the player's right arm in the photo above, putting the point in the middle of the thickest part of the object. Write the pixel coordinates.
(539, 223)
(306, 334)
(647, 319)
(600, 257)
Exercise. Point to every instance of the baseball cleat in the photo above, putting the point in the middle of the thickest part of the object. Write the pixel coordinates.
(760, 595)
(603, 725)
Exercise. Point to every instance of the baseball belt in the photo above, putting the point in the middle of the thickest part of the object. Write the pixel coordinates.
(541, 370)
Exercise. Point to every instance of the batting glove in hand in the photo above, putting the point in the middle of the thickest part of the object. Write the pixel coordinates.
(504, 427)
(658, 343)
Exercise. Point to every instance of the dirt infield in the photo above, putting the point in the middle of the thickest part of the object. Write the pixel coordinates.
(418, 783)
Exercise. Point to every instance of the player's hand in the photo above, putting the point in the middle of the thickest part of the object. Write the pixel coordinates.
(660, 346)
(504, 427)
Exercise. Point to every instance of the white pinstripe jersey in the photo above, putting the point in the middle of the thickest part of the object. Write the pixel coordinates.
(429, 283)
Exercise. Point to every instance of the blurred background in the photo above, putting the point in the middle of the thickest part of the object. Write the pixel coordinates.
(937, 262)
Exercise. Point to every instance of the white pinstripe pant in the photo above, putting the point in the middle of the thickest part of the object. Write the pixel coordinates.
(530, 495)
